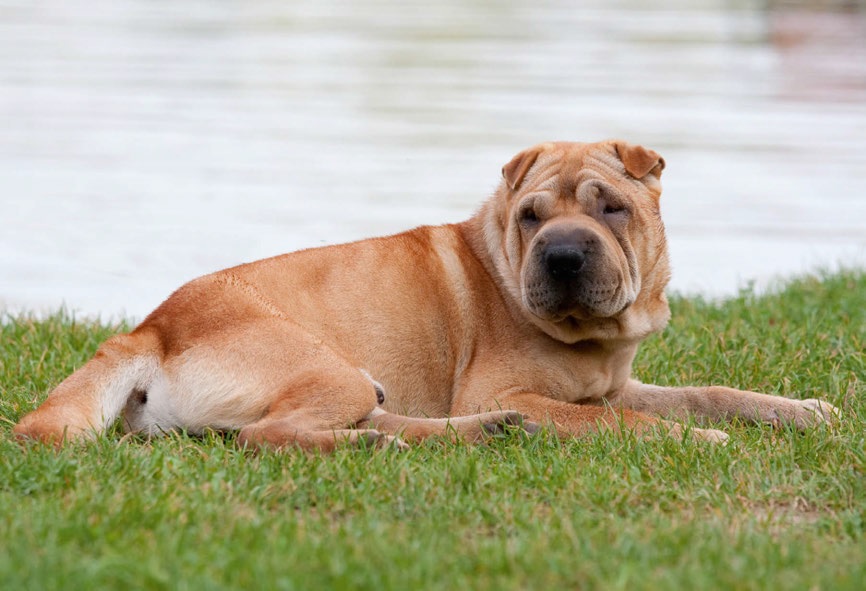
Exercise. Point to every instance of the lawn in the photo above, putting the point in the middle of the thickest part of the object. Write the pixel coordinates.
(771, 510)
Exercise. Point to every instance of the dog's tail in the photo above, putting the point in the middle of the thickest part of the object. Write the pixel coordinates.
(86, 403)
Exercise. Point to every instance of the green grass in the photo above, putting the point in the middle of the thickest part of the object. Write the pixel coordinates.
(772, 510)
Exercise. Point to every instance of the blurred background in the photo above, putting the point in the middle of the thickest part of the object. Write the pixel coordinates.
(143, 142)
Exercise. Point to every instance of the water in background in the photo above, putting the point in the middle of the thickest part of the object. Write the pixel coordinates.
(144, 143)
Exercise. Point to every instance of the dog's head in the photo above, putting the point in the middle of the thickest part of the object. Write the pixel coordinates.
(576, 235)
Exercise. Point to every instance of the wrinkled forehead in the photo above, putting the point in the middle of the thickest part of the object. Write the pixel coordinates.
(565, 167)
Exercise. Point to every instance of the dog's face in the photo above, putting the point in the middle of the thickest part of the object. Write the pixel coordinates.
(581, 243)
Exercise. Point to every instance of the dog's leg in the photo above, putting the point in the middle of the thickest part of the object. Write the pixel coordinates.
(279, 434)
(719, 403)
(89, 400)
(578, 419)
(471, 428)
(315, 411)
(281, 386)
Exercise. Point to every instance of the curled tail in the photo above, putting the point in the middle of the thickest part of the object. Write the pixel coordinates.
(92, 398)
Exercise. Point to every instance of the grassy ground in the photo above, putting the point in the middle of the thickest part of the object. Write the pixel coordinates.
(772, 510)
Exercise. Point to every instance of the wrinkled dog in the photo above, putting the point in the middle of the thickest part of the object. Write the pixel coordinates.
(533, 308)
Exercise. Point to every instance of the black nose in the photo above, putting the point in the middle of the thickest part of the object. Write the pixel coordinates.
(564, 262)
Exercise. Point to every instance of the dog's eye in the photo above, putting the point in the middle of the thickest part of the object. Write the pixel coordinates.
(610, 209)
(528, 216)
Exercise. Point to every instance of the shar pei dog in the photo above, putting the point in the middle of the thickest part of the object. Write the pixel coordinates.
(531, 309)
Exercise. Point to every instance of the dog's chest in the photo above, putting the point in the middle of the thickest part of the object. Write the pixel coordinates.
(582, 374)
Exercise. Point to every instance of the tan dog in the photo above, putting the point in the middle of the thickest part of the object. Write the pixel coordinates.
(535, 306)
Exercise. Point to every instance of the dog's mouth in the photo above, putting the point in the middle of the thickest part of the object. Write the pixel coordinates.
(552, 303)
(554, 291)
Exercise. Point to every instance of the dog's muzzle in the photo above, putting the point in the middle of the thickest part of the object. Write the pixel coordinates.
(569, 274)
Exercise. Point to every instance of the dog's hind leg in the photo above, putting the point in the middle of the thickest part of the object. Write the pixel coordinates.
(315, 413)
(470, 428)
(88, 401)
(276, 383)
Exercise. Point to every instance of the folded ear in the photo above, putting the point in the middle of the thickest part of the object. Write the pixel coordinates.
(639, 161)
(516, 170)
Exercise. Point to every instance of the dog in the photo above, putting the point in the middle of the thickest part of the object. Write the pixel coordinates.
(532, 310)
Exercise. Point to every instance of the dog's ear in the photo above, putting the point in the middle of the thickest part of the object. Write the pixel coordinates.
(516, 170)
(639, 161)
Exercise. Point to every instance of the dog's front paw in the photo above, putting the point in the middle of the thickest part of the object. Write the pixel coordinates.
(801, 414)
(816, 412)
(499, 422)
